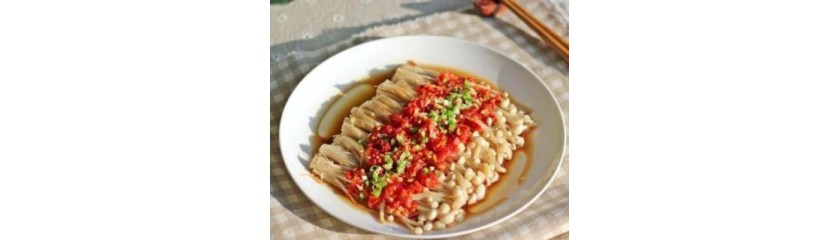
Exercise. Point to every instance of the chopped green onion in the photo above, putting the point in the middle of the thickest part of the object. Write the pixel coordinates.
(400, 139)
(405, 157)
(401, 166)
(375, 172)
(467, 97)
(388, 162)
(377, 188)
(434, 116)
(457, 108)
(448, 113)
(379, 181)
(452, 96)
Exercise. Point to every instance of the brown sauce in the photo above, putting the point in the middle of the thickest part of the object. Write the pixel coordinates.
(335, 128)
(350, 201)
(518, 167)
(526, 149)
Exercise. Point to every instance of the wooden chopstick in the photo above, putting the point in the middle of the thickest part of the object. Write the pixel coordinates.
(559, 43)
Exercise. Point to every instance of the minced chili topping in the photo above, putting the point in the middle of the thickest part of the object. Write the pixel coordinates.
(408, 153)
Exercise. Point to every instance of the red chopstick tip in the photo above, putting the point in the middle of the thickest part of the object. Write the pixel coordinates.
(487, 8)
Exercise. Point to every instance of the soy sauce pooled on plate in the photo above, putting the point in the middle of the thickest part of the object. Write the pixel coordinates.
(340, 105)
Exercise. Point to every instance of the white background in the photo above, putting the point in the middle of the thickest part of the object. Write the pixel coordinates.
(134, 119)
(690, 120)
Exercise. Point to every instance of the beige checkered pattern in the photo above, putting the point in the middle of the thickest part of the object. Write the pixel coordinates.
(294, 216)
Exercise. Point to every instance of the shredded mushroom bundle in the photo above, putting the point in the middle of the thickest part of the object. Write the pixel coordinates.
(412, 178)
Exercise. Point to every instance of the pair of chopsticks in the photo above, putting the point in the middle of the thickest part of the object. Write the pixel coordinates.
(559, 43)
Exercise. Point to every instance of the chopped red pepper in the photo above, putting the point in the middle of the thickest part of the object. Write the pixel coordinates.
(407, 154)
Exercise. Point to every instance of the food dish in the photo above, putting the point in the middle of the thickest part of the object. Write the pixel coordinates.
(524, 182)
(426, 146)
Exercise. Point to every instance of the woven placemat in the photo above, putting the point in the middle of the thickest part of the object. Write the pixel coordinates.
(294, 216)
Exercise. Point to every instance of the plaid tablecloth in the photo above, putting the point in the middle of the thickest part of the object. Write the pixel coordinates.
(294, 216)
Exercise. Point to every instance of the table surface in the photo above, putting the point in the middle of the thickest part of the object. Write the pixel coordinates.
(305, 25)
(310, 25)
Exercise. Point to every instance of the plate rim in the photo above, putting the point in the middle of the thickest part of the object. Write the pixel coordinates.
(562, 155)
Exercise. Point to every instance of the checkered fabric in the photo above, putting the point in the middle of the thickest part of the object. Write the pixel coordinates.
(294, 216)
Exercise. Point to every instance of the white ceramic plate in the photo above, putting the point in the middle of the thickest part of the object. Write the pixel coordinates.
(328, 79)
